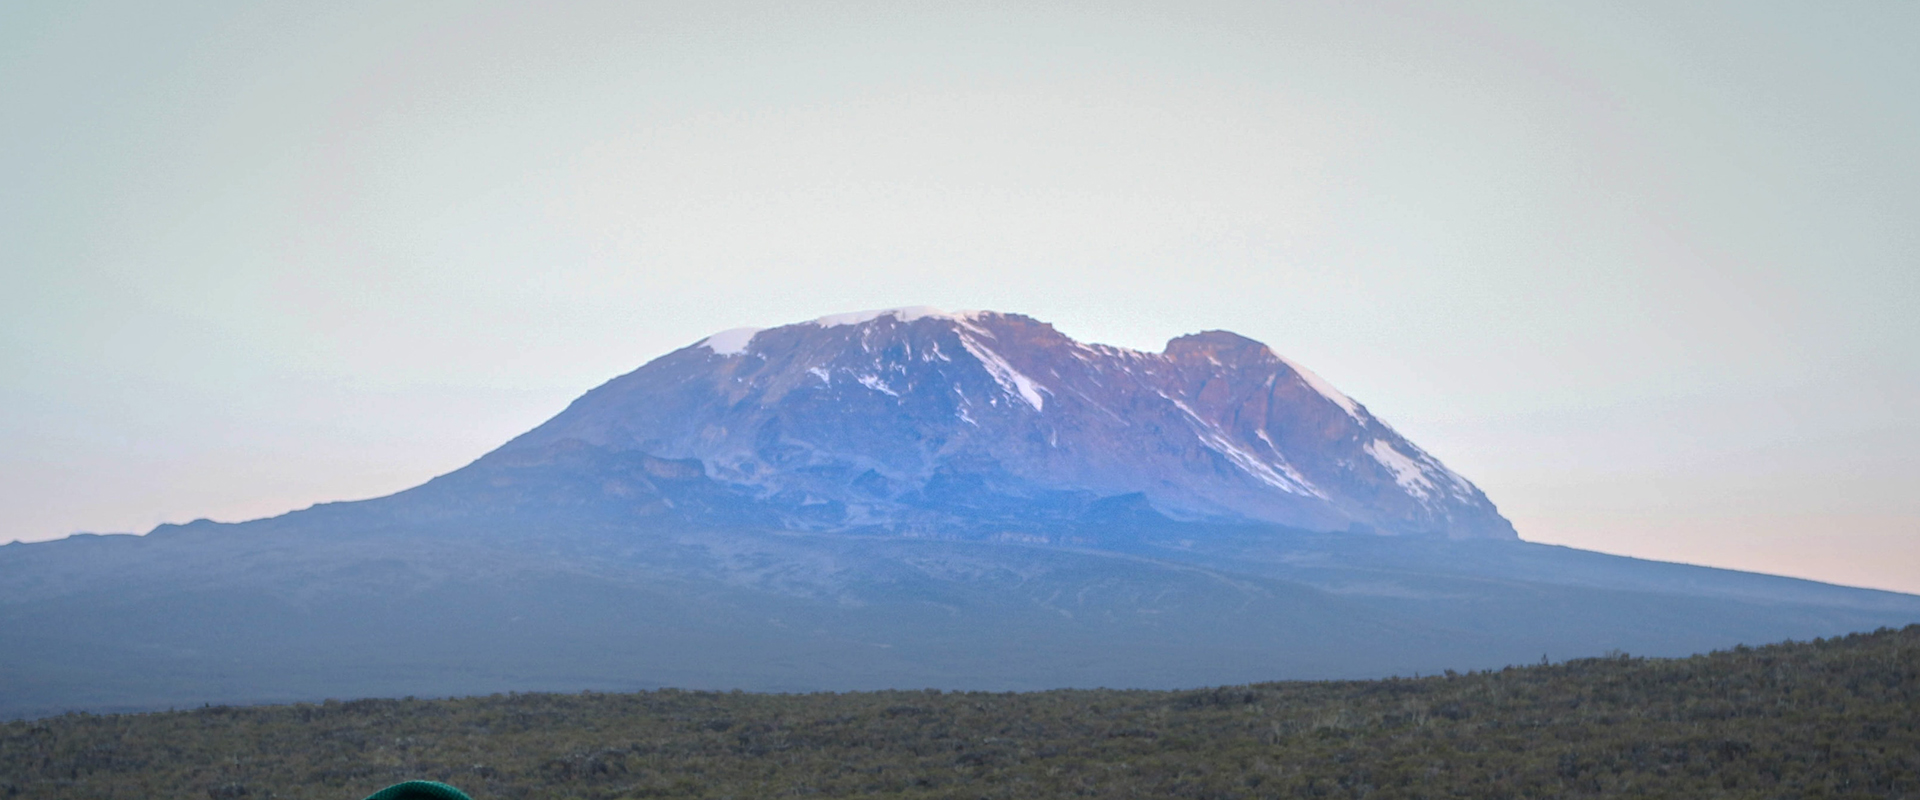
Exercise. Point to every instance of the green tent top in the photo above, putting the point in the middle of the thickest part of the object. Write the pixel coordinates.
(419, 790)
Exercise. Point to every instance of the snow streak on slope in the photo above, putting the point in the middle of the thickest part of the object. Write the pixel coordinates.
(1004, 374)
(1325, 389)
(1283, 478)
(1409, 474)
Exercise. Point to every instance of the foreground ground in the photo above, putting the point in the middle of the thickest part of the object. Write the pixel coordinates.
(1832, 718)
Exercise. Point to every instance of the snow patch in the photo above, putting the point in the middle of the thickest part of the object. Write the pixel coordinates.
(905, 314)
(1326, 390)
(1281, 476)
(1410, 474)
(821, 374)
(873, 382)
(962, 410)
(1461, 487)
(730, 342)
(1004, 374)
(1290, 481)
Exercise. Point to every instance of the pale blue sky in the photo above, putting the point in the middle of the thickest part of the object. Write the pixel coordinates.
(1646, 273)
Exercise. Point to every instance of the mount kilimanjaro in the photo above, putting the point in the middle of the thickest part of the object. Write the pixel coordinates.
(917, 421)
(902, 498)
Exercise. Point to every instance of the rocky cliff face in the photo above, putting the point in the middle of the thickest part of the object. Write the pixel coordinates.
(917, 420)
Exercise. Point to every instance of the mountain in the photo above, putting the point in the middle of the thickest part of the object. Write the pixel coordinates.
(918, 420)
(905, 498)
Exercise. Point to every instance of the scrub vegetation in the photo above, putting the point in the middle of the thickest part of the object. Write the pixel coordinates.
(1828, 718)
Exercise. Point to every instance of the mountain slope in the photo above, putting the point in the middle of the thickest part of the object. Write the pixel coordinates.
(356, 601)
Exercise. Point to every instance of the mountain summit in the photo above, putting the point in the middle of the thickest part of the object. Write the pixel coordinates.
(918, 420)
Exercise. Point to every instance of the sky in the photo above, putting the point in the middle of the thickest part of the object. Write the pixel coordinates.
(1646, 272)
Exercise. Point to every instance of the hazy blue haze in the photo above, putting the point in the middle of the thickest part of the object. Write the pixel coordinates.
(1643, 273)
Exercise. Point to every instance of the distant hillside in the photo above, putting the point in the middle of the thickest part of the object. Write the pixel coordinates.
(1832, 718)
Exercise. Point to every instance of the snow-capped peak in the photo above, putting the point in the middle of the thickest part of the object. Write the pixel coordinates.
(730, 342)
(880, 413)
(903, 314)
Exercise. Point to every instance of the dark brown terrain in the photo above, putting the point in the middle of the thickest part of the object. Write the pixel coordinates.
(1838, 718)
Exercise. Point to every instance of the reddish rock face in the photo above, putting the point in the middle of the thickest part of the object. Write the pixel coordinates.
(914, 417)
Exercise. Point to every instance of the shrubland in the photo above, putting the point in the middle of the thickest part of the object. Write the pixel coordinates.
(1828, 718)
